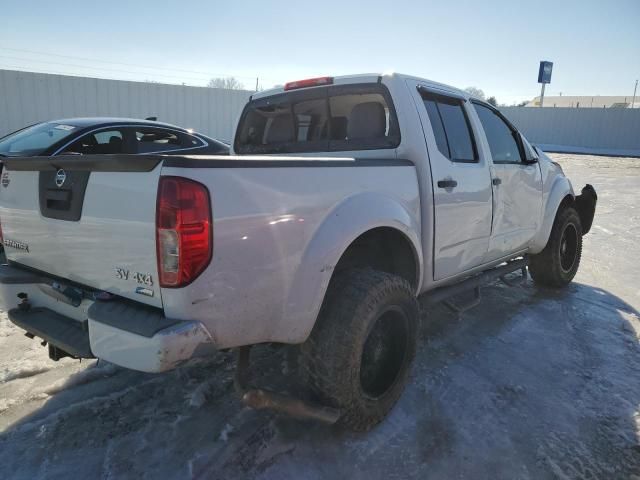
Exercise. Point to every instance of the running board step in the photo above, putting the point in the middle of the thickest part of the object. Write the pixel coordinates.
(457, 308)
(474, 283)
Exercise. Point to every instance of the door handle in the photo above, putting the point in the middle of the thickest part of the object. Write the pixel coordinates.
(448, 183)
(496, 181)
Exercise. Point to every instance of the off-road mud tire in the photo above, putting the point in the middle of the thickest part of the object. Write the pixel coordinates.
(362, 304)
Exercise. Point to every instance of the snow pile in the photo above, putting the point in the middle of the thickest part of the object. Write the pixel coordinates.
(23, 369)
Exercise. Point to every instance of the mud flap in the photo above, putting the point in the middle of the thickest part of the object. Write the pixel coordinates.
(586, 207)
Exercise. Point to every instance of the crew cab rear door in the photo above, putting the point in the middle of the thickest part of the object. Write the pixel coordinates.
(85, 219)
(461, 182)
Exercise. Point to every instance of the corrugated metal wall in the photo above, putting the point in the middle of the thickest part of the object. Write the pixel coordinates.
(27, 98)
(614, 131)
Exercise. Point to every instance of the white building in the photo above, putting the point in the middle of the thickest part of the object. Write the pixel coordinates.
(586, 101)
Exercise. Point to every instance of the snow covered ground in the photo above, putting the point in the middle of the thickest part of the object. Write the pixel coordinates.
(530, 384)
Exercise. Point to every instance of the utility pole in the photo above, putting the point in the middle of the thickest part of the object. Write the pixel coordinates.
(633, 102)
(256, 84)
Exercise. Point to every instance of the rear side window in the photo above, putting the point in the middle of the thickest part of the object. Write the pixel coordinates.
(335, 118)
(451, 127)
(150, 140)
(501, 137)
(153, 140)
(194, 142)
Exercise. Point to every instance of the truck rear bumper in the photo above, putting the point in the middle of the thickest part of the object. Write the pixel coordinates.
(164, 351)
(119, 331)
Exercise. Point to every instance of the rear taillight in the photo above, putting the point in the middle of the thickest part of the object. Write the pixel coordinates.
(184, 231)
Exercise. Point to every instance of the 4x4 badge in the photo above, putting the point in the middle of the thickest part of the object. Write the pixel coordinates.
(5, 179)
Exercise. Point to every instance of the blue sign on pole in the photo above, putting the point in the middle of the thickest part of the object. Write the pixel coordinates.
(544, 74)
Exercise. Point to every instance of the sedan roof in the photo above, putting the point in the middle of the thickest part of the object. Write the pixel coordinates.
(97, 121)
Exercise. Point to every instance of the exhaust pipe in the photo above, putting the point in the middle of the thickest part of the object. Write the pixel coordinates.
(261, 399)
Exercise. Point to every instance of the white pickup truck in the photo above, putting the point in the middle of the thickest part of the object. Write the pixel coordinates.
(344, 200)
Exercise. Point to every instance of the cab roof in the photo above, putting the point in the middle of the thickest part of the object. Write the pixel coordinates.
(368, 78)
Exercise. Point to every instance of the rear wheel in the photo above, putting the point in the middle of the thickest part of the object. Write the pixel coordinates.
(359, 354)
(558, 263)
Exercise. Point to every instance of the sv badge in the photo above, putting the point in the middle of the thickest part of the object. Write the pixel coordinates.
(122, 274)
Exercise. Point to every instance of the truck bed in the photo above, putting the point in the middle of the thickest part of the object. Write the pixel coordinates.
(279, 225)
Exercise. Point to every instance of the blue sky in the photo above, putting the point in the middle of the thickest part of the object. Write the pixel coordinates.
(494, 45)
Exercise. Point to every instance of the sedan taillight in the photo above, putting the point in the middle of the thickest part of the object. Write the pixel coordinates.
(184, 231)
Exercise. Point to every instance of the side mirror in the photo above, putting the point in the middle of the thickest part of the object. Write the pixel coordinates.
(530, 155)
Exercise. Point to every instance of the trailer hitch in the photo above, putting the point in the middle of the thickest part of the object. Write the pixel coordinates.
(261, 399)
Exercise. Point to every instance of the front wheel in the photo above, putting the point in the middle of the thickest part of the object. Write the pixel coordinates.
(359, 354)
(558, 263)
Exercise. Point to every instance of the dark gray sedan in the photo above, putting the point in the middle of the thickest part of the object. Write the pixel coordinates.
(81, 136)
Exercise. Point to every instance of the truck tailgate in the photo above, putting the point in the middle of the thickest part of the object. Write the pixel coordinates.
(87, 219)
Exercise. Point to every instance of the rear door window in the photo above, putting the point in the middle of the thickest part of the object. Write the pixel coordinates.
(437, 126)
(335, 118)
(451, 127)
(105, 142)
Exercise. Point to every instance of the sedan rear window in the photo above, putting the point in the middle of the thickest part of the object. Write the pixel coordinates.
(323, 119)
(34, 140)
